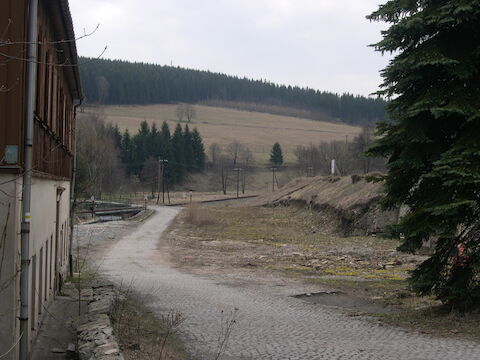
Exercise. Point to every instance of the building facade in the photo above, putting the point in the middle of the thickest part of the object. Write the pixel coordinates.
(58, 90)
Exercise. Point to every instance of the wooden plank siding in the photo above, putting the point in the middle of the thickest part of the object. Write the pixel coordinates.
(12, 75)
(54, 107)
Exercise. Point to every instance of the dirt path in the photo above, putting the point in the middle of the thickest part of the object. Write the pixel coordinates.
(271, 324)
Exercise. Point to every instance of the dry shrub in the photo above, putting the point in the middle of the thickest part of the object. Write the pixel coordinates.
(356, 178)
(197, 215)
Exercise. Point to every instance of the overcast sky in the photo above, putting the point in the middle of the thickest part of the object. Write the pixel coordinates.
(321, 44)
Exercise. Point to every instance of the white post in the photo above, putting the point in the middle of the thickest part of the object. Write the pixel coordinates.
(333, 167)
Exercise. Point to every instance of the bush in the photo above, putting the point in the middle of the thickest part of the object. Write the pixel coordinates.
(197, 215)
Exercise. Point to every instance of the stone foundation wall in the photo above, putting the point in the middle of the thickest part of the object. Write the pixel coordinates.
(96, 340)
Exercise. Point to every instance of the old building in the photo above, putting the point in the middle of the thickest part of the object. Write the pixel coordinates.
(58, 90)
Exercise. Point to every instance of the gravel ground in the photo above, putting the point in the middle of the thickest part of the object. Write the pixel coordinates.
(270, 323)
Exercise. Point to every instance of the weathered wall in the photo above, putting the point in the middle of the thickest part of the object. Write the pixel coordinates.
(47, 251)
(44, 244)
(10, 207)
(12, 27)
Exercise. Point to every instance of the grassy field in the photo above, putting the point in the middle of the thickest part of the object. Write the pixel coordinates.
(221, 125)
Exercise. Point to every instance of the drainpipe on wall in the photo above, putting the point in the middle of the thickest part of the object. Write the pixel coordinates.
(73, 197)
(31, 87)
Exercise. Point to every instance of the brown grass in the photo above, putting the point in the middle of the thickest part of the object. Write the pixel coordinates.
(302, 244)
(143, 336)
(197, 215)
(221, 125)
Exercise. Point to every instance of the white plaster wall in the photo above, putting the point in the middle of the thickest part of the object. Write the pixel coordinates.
(43, 228)
(10, 207)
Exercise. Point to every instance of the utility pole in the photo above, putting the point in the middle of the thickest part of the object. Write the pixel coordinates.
(309, 171)
(168, 192)
(273, 178)
(92, 207)
(158, 181)
(31, 87)
(244, 179)
(162, 163)
(238, 178)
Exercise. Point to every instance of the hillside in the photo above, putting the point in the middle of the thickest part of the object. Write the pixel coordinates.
(348, 204)
(256, 130)
(121, 82)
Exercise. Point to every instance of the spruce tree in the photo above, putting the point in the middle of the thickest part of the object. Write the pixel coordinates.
(154, 142)
(140, 147)
(126, 151)
(433, 140)
(165, 145)
(276, 157)
(177, 164)
(137, 83)
(198, 150)
(117, 136)
(165, 131)
(188, 148)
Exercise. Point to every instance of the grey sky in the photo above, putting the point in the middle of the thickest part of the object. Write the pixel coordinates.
(317, 43)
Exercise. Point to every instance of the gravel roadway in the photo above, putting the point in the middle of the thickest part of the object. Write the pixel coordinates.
(270, 323)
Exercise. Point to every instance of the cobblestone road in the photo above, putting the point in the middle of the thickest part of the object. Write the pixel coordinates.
(271, 324)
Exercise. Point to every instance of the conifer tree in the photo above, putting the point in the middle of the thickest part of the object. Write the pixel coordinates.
(177, 164)
(432, 142)
(137, 83)
(198, 150)
(184, 151)
(154, 142)
(140, 147)
(276, 157)
(166, 146)
(165, 131)
(188, 148)
(117, 137)
(126, 151)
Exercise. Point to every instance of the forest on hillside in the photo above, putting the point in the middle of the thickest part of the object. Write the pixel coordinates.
(122, 82)
(110, 161)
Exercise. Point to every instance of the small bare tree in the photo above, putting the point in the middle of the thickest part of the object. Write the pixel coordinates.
(235, 151)
(246, 161)
(190, 112)
(180, 112)
(103, 87)
(349, 156)
(223, 170)
(98, 162)
(150, 174)
(360, 145)
(228, 322)
(214, 151)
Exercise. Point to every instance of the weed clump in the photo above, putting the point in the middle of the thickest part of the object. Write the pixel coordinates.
(197, 215)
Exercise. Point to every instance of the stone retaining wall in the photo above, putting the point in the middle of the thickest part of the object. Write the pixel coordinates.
(96, 340)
